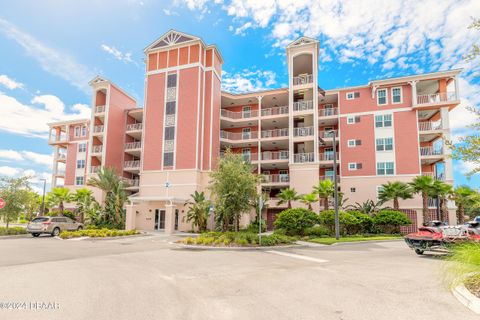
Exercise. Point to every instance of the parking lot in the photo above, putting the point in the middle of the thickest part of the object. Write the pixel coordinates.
(149, 278)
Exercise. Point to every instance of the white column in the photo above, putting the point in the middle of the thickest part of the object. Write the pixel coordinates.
(315, 105)
(446, 150)
(457, 90)
(414, 91)
(170, 218)
(259, 145)
(444, 115)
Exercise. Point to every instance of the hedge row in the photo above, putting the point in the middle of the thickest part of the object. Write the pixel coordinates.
(97, 233)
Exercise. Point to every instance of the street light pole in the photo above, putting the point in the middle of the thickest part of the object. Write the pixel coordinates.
(43, 196)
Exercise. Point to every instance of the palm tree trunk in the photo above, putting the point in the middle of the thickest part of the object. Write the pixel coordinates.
(319, 204)
(461, 214)
(396, 205)
(425, 214)
(289, 204)
(325, 201)
(60, 208)
(443, 209)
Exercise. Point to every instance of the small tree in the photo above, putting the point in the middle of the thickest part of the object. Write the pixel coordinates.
(394, 191)
(324, 190)
(33, 203)
(233, 187)
(287, 196)
(442, 190)
(57, 198)
(15, 192)
(198, 210)
(84, 200)
(308, 200)
(463, 196)
(423, 185)
(295, 221)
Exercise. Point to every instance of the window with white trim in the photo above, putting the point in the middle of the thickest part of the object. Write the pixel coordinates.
(354, 142)
(82, 147)
(77, 131)
(384, 144)
(383, 121)
(353, 119)
(80, 164)
(382, 96)
(352, 95)
(84, 131)
(385, 168)
(397, 95)
(79, 181)
(352, 166)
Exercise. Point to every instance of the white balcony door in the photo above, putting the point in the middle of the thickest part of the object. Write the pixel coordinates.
(328, 153)
(246, 133)
(329, 110)
(283, 175)
(246, 153)
(247, 111)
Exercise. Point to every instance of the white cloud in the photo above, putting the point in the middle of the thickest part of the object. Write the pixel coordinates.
(9, 171)
(117, 54)
(51, 60)
(169, 12)
(31, 120)
(248, 80)
(465, 167)
(10, 155)
(10, 83)
(29, 156)
(241, 30)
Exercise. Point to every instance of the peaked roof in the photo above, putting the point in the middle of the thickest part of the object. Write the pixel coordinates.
(171, 37)
(301, 41)
(97, 79)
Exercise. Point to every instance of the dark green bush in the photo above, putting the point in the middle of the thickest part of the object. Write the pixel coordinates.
(365, 221)
(253, 226)
(295, 221)
(389, 221)
(317, 231)
(12, 231)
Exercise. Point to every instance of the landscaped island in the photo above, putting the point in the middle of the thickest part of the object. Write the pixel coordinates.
(238, 239)
(97, 233)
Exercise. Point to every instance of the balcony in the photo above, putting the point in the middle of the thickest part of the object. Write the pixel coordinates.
(60, 173)
(305, 105)
(250, 157)
(329, 178)
(326, 156)
(304, 157)
(440, 177)
(98, 129)
(58, 139)
(94, 169)
(303, 132)
(275, 155)
(276, 178)
(62, 157)
(97, 149)
(430, 151)
(328, 134)
(238, 115)
(435, 98)
(302, 79)
(238, 136)
(133, 183)
(134, 126)
(275, 133)
(133, 165)
(133, 145)
(99, 109)
(275, 111)
(429, 125)
(327, 112)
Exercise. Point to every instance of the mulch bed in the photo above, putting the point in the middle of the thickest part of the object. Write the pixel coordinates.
(473, 285)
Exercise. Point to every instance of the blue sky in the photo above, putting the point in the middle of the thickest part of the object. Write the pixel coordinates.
(49, 51)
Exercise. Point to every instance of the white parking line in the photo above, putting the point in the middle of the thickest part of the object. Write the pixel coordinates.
(297, 256)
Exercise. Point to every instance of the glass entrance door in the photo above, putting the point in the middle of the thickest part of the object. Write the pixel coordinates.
(159, 219)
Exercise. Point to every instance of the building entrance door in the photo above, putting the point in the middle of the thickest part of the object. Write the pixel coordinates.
(159, 219)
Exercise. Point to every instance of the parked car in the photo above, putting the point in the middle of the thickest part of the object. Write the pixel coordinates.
(52, 225)
(437, 237)
(477, 219)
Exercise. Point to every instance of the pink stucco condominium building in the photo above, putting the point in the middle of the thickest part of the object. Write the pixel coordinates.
(386, 130)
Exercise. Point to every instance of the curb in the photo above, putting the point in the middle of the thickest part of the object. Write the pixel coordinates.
(467, 298)
(15, 236)
(198, 247)
(357, 242)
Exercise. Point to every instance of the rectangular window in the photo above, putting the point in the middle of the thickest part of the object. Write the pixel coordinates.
(352, 166)
(350, 96)
(389, 168)
(397, 95)
(84, 131)
(381, 96)
(385, 168)
(350, 120)
(352, 143)
(169, 133)
(77, 132)
(80, 164)
(168, 159)
(79, 181)
(378, 121)
(381, 168)
(170, 108)
(383, 120)
(356, 95)
(380, 145)
(388, 144)
(82, 147)
(172, 81)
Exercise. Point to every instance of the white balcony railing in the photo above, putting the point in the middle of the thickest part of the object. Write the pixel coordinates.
(274, 111)
(275, 155)
(61, 156)
(246, 114)
(329, 178)
(328, 134)
(326, 156)
(304, 157)
(98, 129)
(275, 133)
(302, 79)
(430, 151)
(133, 145)
(97, 149)
(99, 109)
(303, 105)
(276, 178)
(134, 126)
(429, 125)
(327, 112)
(252, 157)
(132, 164)
(61, 173)
(133, 182)
(94, 169)
(434, 175)
(436, 97)
(303, 132)
(238, 136)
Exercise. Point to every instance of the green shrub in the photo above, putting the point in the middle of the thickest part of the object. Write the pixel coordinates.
(12, 231)
(295, 221)
(389, 221)
(349, 224)
(365, 222)
(97, 233)
(253, 226)
(241, 242)
(317, 231)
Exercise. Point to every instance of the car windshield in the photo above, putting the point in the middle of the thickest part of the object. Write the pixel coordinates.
(41, 219)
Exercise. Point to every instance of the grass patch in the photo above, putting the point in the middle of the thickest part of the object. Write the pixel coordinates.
(11, 231)
(464, 266)
(97, 233)
(237, 239)
(332, 240)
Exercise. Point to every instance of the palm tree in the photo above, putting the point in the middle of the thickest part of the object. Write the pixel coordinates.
(394, 191)
(423, 185)
(287, 196)
(57, 197)
(84, 200)
(109, 182)
(308, 199)
(324, 190)
(463, 197)
(369, 207)
(442, 190)
(198, 211)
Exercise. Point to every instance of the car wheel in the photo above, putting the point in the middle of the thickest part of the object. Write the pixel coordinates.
(419, 251)
(35, 234)
(56, 232)
(80, 228)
